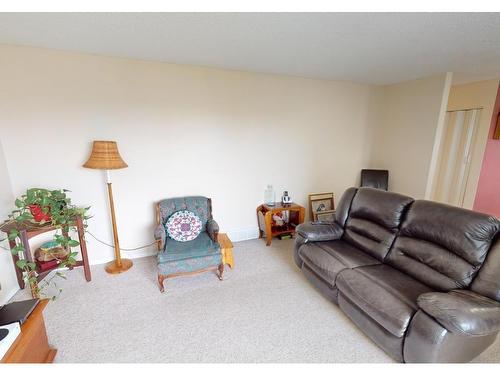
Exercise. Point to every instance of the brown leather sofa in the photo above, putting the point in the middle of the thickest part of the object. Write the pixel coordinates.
(422, 279)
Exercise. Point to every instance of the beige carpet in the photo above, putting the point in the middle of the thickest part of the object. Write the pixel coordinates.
(264, 311)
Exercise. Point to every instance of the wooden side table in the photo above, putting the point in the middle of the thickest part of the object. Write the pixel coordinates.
(296, 217)
(32, 346)
(226, 247)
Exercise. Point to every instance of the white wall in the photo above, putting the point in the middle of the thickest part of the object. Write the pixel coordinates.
(407, 118)
(182, 130)
(8, 279)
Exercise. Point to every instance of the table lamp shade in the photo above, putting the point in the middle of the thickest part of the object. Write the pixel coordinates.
(105, 155)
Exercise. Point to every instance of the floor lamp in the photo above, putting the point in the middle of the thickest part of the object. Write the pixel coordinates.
(105, 156)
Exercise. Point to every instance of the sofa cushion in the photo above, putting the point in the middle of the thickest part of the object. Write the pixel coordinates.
(328, 258)
(391, 344)
(381, 207)
(325, 288)
(374, 219)
(181, 257)
(189, 265)
(387, 295)
(441, 245)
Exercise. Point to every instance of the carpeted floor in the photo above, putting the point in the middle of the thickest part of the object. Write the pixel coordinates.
(264, 311)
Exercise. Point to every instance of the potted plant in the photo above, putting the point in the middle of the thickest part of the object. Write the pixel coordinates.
(36, 209)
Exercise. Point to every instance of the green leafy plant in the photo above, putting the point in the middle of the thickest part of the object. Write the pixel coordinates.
(36, 209)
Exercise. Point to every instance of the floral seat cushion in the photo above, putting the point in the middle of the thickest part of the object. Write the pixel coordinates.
(183, 226)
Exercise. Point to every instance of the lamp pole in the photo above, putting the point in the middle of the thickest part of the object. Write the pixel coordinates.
(118, 259)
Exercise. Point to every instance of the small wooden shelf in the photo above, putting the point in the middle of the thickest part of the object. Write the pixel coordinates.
(42, 274)
(277, 230)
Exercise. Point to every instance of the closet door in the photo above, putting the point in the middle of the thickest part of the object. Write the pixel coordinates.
(458, 143)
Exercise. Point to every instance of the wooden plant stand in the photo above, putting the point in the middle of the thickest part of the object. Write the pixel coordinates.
(297, 214)
(26, 232)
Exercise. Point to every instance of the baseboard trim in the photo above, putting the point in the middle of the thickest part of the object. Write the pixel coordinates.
(243, 234)
(9, 295)
(128, 254)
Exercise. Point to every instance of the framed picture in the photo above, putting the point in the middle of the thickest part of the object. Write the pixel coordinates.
(326, 216)
(320, 203)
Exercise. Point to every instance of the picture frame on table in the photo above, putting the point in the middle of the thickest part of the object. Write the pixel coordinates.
(320, 203)
(326, 216)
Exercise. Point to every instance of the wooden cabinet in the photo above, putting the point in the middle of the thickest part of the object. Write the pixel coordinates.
(32, 346)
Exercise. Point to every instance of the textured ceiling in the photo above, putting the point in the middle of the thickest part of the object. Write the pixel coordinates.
(377, 48)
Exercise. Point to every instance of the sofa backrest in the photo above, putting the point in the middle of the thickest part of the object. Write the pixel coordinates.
(487, 281)
(443, 246)
(374, 219)
(344, 205)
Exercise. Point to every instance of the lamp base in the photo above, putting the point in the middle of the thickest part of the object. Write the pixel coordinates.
(113, 268)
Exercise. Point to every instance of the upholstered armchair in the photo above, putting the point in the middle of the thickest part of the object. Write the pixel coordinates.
(201, 254)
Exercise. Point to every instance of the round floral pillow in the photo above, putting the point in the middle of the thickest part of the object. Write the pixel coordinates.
(183, 226)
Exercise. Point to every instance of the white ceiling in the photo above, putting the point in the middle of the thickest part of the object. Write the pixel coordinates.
(377, 48)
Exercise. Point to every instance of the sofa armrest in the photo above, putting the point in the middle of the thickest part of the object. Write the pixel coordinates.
(160, 236)
(320, 232)
(463, 312)
(212, 229)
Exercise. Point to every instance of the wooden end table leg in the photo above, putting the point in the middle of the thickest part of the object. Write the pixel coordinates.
(269, 233)
(302, 214)
(258, 221)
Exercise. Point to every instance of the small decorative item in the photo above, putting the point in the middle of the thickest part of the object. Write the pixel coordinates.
(269, 196)
(51, 250)
(39, 213)
(320, 203)
(183, 226)
(286, 216)
(286, 199)
(278, 219)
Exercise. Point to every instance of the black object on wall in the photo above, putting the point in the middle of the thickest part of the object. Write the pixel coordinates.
(375, 178)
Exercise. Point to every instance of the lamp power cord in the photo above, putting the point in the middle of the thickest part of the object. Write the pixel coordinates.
(121, 248)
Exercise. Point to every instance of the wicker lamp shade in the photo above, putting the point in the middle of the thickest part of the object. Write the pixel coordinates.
(105, 155)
